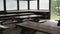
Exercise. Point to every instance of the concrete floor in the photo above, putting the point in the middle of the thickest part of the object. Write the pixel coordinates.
(16, 31)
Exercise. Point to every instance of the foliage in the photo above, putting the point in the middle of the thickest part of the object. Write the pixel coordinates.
(55, 9)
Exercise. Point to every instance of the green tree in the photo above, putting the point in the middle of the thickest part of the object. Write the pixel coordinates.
(55, 6)
(55, 9)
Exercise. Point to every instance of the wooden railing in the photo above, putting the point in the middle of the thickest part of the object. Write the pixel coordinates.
(8, 15)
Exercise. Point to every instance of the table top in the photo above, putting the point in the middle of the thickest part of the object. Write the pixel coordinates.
(48, 26)
(1, 26)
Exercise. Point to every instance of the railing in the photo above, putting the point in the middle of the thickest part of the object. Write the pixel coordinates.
(20, 16)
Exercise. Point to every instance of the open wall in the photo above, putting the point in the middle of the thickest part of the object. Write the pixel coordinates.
(55, 9)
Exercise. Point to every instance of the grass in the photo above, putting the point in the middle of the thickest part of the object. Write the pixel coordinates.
(54, 16)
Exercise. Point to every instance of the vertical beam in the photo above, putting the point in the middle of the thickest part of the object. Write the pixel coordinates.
(37, 4)
(49, 8)
(4, 1)
(17, 4)
(28, 4)
(50, 5)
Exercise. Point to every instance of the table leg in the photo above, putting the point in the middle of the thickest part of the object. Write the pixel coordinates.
(1, 30)
(48, 33)
(28, 31)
